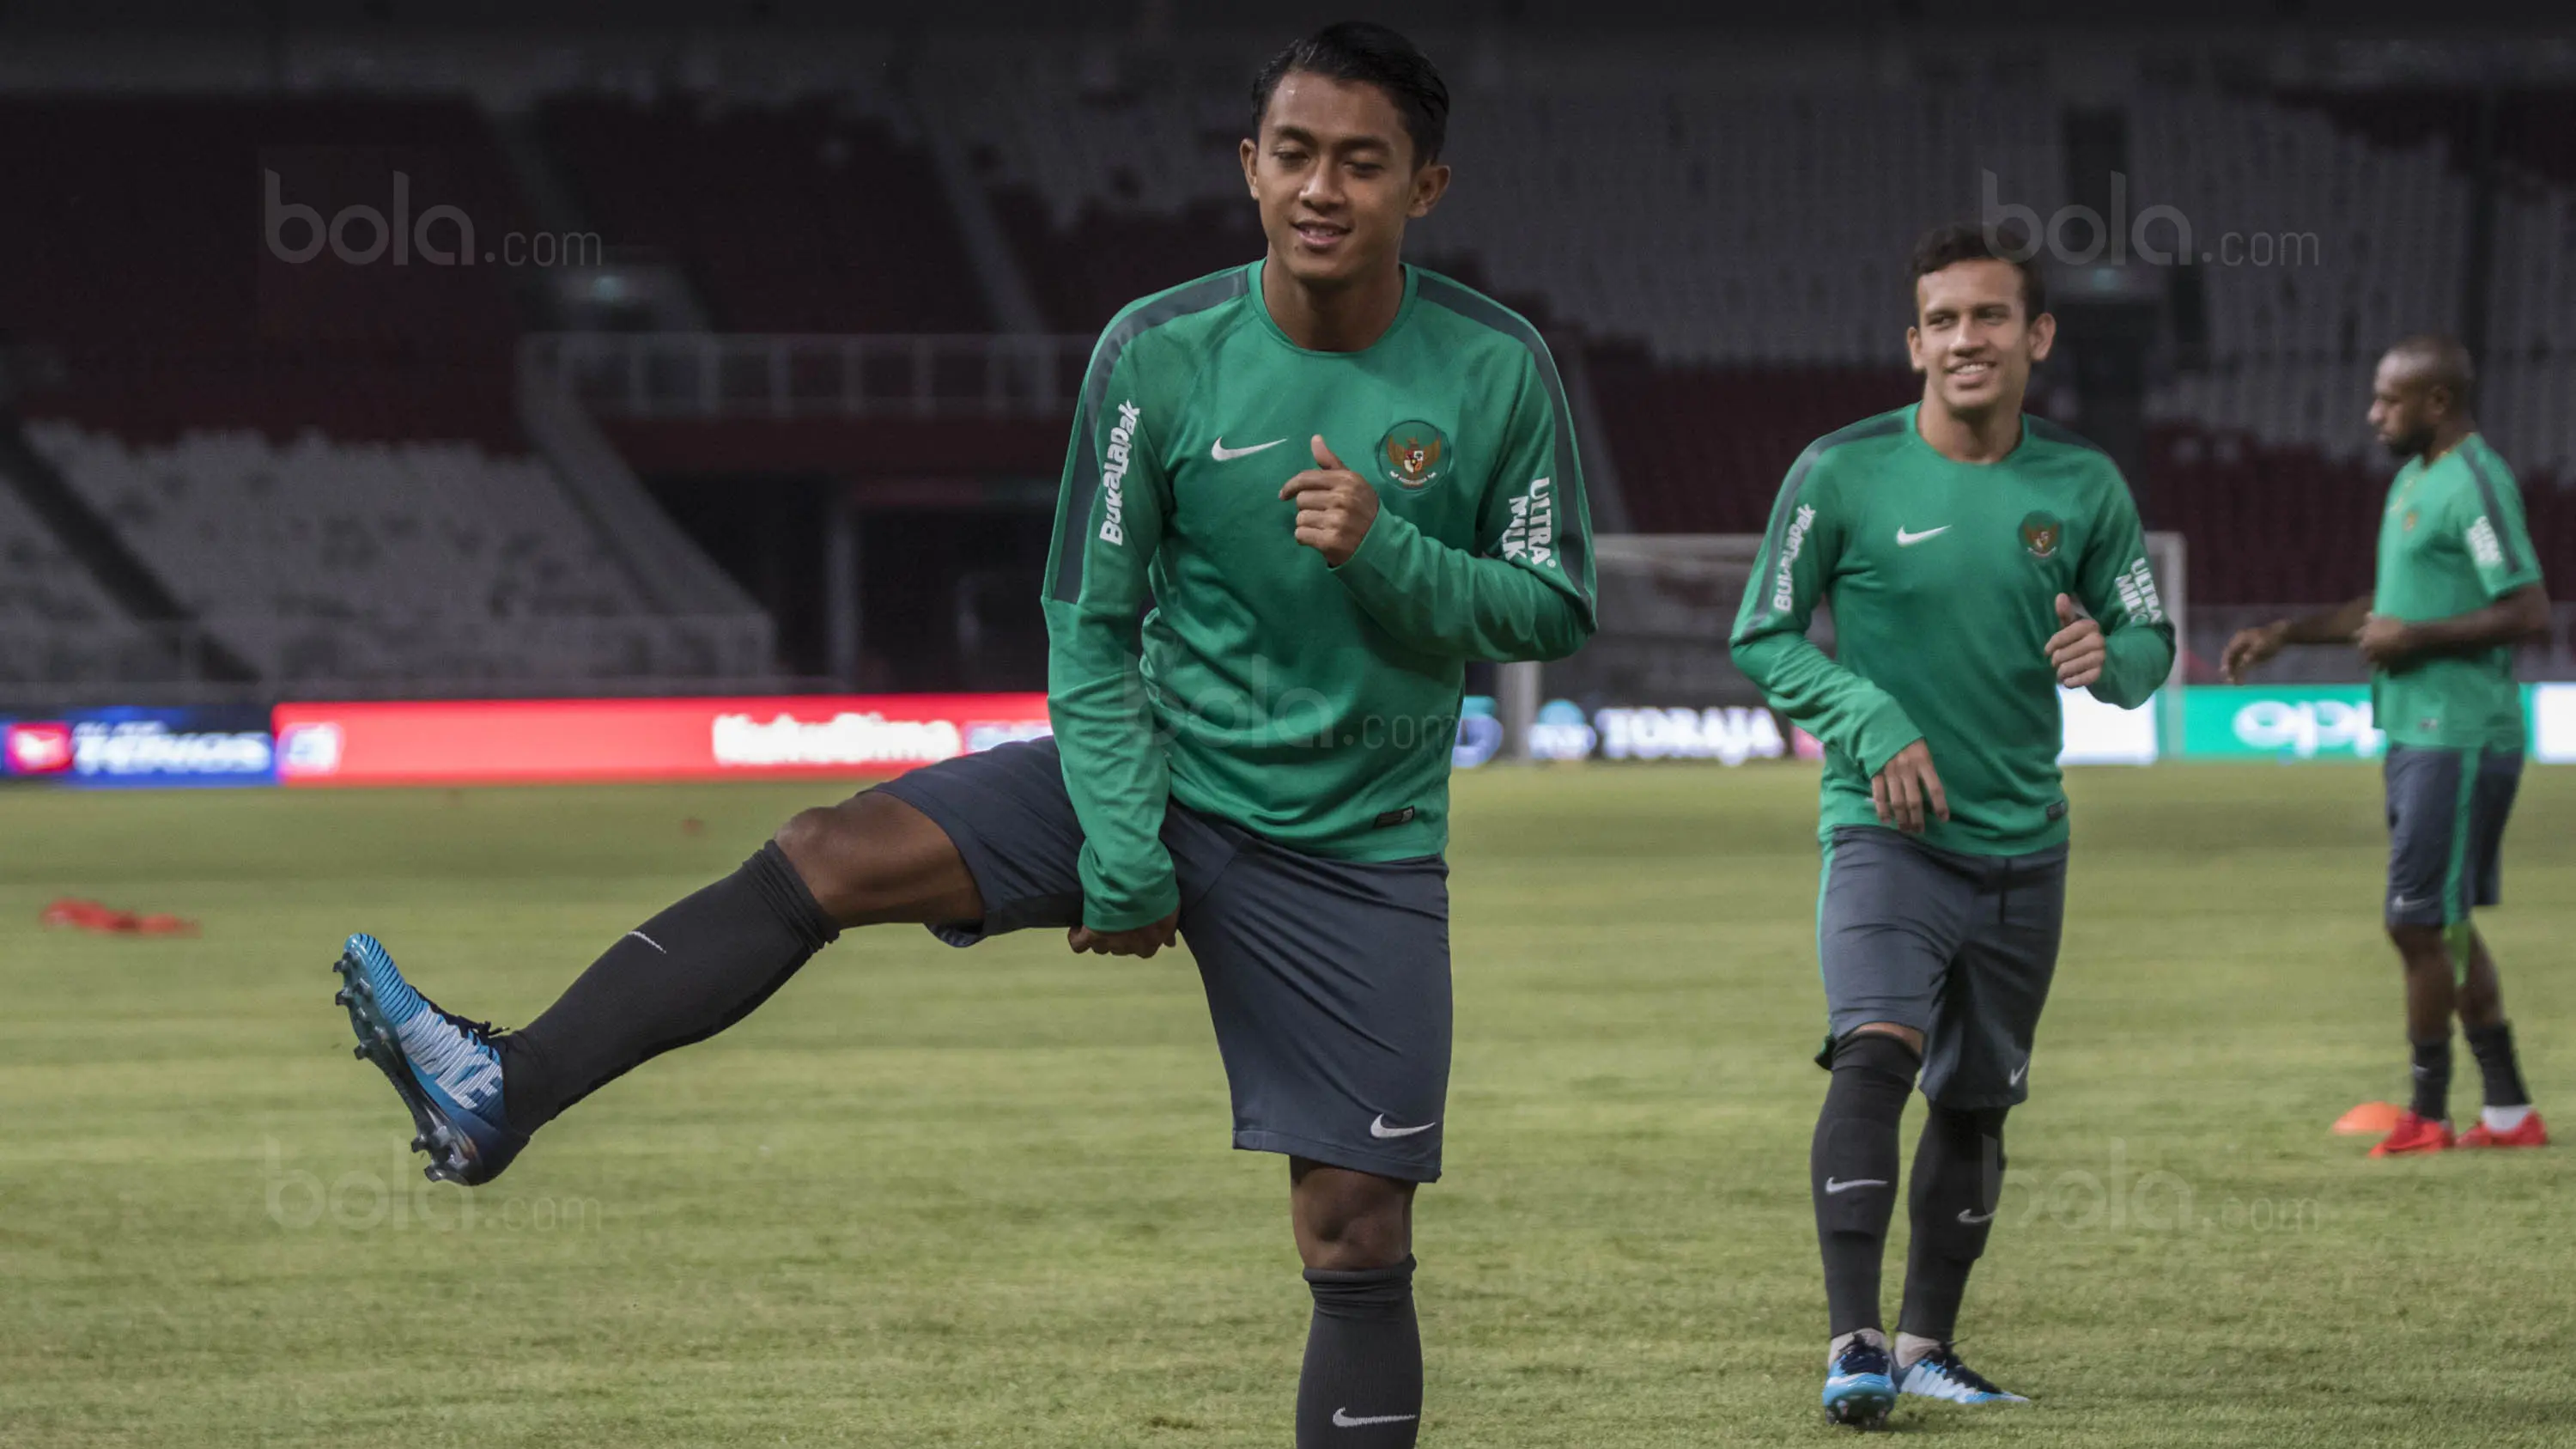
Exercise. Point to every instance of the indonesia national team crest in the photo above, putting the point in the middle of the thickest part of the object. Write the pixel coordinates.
(2041, 533)
(1414, 453)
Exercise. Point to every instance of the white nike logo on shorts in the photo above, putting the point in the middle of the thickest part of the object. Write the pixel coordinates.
(1224, 454)
(1342, 1419)
(1379, 1128)
(2020, 1072)
(1833, 1187)
(1972, 1219)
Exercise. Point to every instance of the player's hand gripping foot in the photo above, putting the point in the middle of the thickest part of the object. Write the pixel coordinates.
(446, 1068)
(2526, 1133)
(1858, 1390)
(2415, 1134)
(1940, 1375)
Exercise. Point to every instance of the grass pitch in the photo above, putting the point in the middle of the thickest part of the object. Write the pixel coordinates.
(930, 1197)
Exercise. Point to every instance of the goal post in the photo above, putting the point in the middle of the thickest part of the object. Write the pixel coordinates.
(1657, 681)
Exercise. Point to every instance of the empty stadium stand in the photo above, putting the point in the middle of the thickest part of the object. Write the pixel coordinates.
(304, 421)
(427, 560)
(313, 442)
(55, 621)
(810, 215)
(159, 281)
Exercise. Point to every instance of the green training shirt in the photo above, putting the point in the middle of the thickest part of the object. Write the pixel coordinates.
(1313, 706)
(1944, 579)
(2452, 541)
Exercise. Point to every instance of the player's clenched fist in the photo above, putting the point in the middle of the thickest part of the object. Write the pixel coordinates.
(1907, 789)
(1143, 941)
(2077, 650)
(2384, 642)
(1335, 506)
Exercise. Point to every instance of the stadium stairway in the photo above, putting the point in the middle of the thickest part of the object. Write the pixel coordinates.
(121, 574)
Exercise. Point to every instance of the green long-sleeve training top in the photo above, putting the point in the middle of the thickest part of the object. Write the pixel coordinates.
(1199, 653)
(1944, 578)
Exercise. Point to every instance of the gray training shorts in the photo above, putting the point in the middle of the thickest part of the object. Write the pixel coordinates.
(1327, 980)
(2447, 810)
(1959, 947)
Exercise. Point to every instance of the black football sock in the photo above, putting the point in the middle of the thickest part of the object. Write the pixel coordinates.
(688, 973)
(2493, 1047)
(2433, 1078)
(1958, 1179)
(1362, 1384)
(1851, 1170)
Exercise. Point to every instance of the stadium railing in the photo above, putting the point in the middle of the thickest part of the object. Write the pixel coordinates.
(754, 375)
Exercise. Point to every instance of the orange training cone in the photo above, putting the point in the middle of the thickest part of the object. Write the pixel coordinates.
(2370, 1119)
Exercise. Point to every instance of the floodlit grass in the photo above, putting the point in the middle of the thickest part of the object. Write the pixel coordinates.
(931, 1197)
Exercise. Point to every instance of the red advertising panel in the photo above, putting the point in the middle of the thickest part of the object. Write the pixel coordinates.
(39, 749)
(570, 740)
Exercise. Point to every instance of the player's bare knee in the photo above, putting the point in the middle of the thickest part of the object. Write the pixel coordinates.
(847, 855)
(1349, 1221)
(816, 843)
(2420, 947)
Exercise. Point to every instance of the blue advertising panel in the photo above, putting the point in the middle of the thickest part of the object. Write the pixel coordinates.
(125, 747)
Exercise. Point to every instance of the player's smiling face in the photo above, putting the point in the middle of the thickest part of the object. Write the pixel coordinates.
(1334, 171)
(1973, 338)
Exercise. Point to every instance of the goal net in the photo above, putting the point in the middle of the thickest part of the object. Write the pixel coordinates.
(1657, 682)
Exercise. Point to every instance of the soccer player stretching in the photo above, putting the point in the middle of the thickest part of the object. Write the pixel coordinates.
(1976, 560)
(1256, 658)
(2459, 586)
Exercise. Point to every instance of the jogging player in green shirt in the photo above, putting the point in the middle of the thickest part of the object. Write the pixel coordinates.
(2458, 587)
(1301, 494)
(1977, 560)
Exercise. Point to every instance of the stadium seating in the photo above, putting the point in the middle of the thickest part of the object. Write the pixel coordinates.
(1703, 449)
(1732, 254)
(55, 621)
(1721, 265)
(808, 216)
(1707, 225)
(152, 281)
(319, 559)
(322, 459)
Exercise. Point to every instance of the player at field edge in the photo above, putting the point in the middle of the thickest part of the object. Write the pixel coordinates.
(1257, 653)
(2458, 587)
(1977, 560)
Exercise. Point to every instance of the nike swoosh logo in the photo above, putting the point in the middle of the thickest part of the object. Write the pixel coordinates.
(1832, 1187)
(2020, 1072)
(1379, 1128)
(1908, 540)
(1972, 1219)
(1342, 1419)
(1223, 454)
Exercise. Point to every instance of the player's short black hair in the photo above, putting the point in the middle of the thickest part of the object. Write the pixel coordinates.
(1363, 50)
(1949, 245)
(2444, 362)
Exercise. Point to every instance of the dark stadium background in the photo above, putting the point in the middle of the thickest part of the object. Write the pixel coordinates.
(762, 386)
